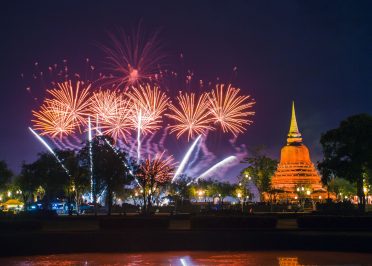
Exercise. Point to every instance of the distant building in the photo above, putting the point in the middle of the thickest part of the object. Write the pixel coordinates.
(296, 176)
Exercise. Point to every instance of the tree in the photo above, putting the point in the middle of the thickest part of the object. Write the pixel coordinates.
(181, 189)
(341, 188)
(5, 176)
(260, 170)
(348, 153)
(28, 182)
(154, 173)
(78, 179)
(110, 168)
(52, 176)
(223, 189)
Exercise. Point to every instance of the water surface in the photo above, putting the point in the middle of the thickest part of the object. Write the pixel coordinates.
(286, 258)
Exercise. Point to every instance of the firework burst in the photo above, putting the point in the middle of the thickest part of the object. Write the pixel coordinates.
(71, 101)
(119, 124)
(192, 116)
(104, 104)
(159, 168)
(134, 58)
(230, 110)
(149, 104)
(52, 120)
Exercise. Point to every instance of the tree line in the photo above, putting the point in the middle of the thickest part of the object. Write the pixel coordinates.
(345, 169)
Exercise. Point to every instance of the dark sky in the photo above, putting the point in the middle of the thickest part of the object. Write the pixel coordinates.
(317, 53)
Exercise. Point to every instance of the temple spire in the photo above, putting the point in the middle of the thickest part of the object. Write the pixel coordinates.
(294, 134)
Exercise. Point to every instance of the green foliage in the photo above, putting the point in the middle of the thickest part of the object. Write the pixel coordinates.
(260, 170)
(211, 188)
(181, 188)
(348, 152)
(341, 187)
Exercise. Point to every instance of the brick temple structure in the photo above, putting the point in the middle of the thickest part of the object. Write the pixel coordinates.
(296, 176)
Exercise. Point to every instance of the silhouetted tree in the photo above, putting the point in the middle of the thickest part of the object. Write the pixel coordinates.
(260, 170)
(110, 168)
(28, 181)
(52, 176)
(5, 176)
(348, 152)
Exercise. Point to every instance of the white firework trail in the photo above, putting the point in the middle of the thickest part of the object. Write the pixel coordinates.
(185, 159)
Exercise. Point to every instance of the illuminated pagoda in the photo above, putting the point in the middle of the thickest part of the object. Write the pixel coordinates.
(296, 176)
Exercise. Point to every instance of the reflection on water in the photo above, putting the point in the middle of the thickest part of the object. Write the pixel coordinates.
(289, 261)
(285, 258)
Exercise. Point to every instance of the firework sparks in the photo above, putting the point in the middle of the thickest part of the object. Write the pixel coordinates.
(185, 159)
(50, 150)
(52, 120)
(72, 100)
(113, 112)
(133, 58)
(210, 171)
(104, 103)
(191, 117)
(160, 168)
(230, 110)
(149, 103)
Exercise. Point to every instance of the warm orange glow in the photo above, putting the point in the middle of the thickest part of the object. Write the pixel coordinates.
(192, 116)
(295, 167)
(231, 110)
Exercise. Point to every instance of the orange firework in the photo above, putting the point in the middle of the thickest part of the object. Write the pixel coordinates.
(119, 123)
(133, 58)
(149, 104)
(192, 117)
(72, 100)
(157, 169)
(105, 104)
(53, 121)
(230, 110)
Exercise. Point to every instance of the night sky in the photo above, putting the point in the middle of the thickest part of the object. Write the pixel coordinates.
(318, 53)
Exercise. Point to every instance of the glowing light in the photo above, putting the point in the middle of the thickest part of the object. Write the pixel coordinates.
(185, 159)
(104, 104)
(158, 168)
(49, 149)
(149, 103)
(90, 160)
(230, 110)
(73, 100)
(191, 116)
(215, 167)
(139, 136)
(52, 120)
(119, 124)
(133, 58)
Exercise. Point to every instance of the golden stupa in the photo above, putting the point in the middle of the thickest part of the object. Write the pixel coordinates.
(296, 174)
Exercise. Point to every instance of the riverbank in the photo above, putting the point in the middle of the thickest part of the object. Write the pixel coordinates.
(138, 234)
